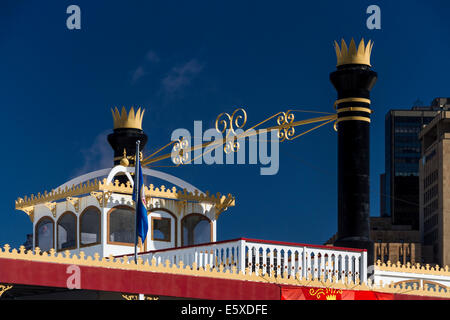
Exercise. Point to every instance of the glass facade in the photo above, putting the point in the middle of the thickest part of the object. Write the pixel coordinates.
(402, 155)
(407, 145)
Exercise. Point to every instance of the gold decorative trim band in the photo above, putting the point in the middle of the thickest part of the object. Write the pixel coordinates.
(26, 204)
(364, 100)
(362, 109)
(357, 118)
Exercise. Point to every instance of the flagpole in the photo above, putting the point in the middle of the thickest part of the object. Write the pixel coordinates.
(136, 184)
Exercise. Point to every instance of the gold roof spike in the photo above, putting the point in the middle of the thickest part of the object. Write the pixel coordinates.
(131, 120)
(353, 55)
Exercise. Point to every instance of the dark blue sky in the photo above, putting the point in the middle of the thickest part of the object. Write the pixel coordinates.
(186, 61)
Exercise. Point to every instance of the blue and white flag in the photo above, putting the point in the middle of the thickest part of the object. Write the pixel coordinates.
(139, 198)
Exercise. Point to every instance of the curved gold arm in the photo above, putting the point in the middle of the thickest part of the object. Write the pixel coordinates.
(225, 122)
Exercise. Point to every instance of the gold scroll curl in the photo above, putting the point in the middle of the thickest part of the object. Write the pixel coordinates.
(237, 120)
(231, 146)
(285, 121)
(181, 156)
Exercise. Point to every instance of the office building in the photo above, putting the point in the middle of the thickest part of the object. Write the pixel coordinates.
(434, 176)
(400, 182)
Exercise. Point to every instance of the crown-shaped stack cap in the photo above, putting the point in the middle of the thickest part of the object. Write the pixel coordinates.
(131, 120)
(353, 55)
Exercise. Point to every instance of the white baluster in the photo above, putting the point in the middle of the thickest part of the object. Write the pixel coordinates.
(312, 260)
(291, 263)
(264, 262)
(271, 262)
(364, 267)
(344, 267)
(285, 263)
(257, 264)
(278, 262)
(201, 262)
(241, 264)
(305, 263)
(209, 258)
(251, 258)
(321, 264)
(298, 263)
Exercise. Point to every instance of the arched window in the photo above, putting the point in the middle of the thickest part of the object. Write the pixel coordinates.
(121, 224)
(90, 227)
(67, 231)
(44, 234)
(196, 229)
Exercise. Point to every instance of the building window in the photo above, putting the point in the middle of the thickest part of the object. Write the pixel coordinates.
(385, 255)
(45, 234)
(67, 231)
(161, 229)
(121, 225)
(400, 256)
(196, 229)
(408, 258)
(90, 226)
(378, 246)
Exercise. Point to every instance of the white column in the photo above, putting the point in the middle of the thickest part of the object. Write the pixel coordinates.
(363, 267)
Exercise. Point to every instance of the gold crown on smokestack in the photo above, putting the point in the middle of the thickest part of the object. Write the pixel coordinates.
(351, 55)
(131, 120)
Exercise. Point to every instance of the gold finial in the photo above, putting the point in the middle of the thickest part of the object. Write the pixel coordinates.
(131, 120)
(124, 161)
(351, 55)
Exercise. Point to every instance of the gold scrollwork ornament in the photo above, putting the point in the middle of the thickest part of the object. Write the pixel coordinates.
(330, 294)
(4, 288)
(179, 155)
(285, 121)
(237, 120)
(231, 146)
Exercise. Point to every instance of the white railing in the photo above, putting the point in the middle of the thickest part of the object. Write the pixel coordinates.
(226, 253)
(271, 258)
(305, 261)
(423, 276)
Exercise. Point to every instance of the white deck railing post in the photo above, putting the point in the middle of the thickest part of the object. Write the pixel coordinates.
(241, 264)
(304, 262)
(363, 267)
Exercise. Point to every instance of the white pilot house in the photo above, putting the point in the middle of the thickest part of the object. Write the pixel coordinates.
(95, 213)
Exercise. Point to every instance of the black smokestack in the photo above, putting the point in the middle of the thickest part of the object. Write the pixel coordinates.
(353, 81)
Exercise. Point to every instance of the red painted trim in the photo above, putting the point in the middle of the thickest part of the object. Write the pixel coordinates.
(289, 292)
(253, 240)
(159, 284)
(130, 281)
